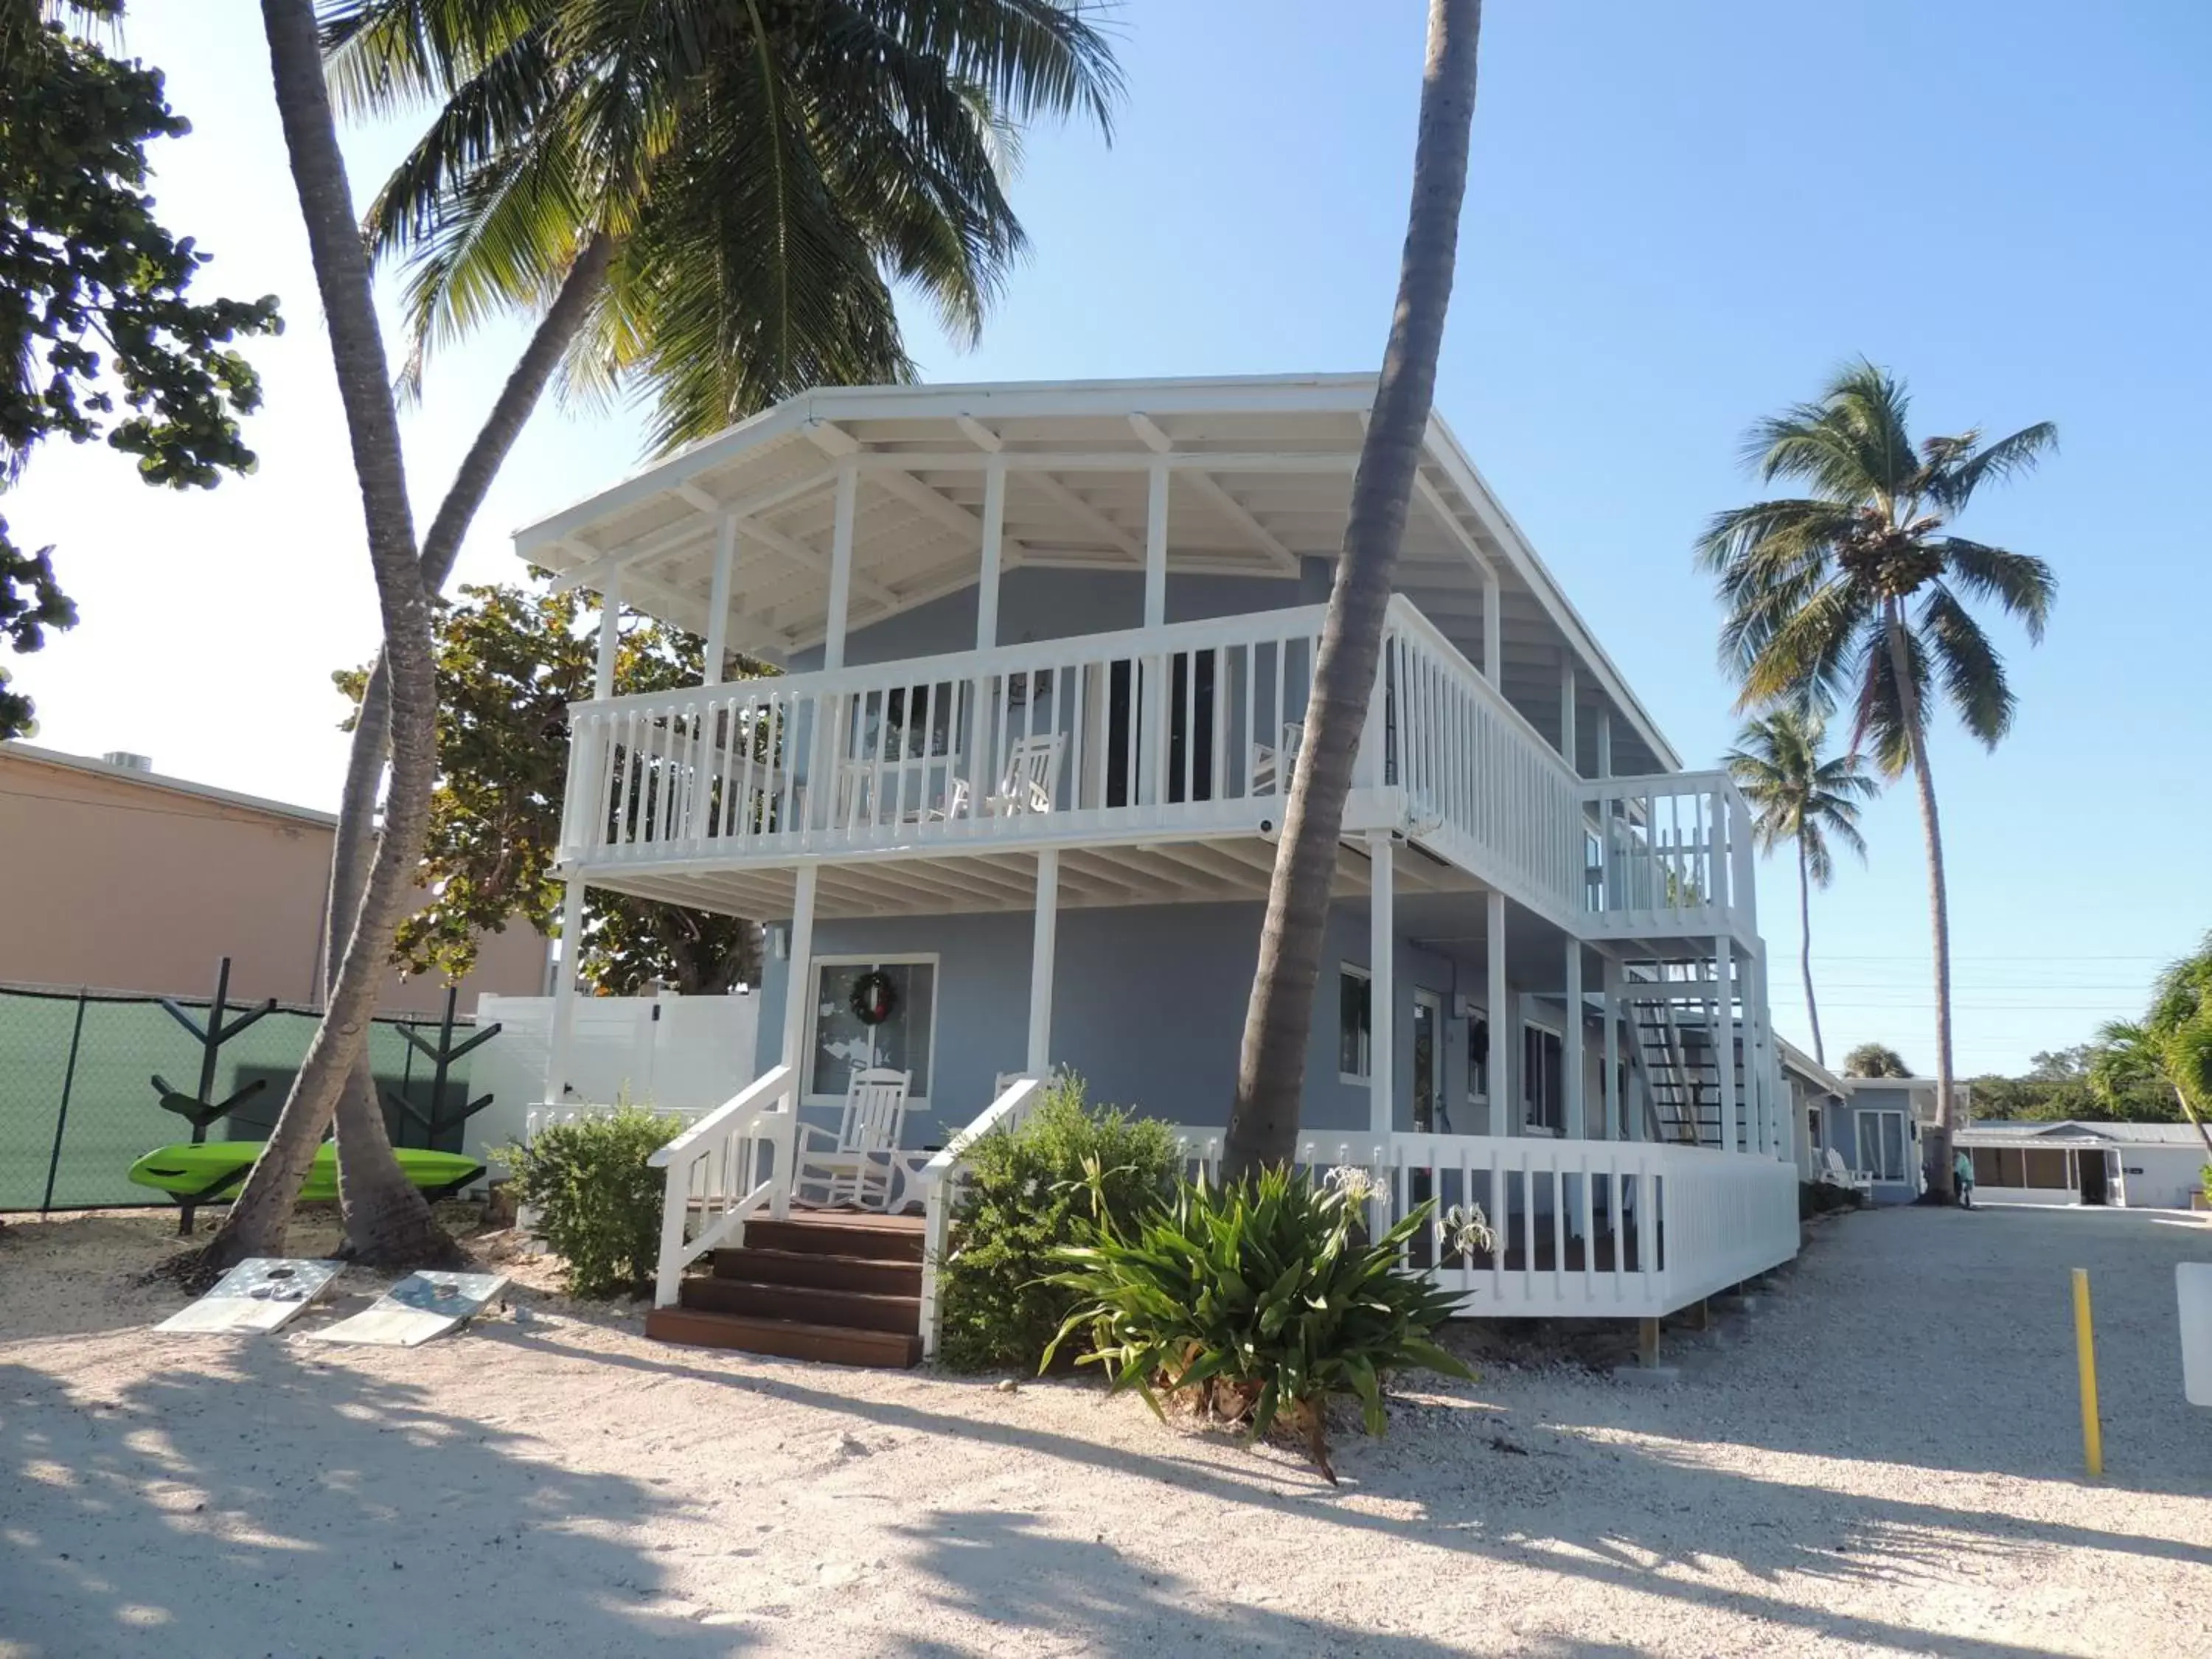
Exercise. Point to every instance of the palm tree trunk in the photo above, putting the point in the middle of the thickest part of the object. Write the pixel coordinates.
(256, 1222)
(1263, 1122)
(387, 1220)
(2203, 1130)
(1804, 952)
(1939, 900)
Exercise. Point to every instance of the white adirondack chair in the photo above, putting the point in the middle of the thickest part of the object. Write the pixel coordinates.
(857, 1164)
(1031, 777)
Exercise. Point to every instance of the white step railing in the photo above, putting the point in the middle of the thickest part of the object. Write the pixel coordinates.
(940, 1182)
(733, 1163)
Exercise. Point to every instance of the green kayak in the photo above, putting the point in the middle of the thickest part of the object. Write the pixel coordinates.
(214, 1170)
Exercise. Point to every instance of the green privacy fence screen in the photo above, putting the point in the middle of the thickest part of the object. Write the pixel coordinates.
(78, 1108)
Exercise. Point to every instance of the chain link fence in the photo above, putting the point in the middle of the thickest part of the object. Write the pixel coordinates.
(78, 1104)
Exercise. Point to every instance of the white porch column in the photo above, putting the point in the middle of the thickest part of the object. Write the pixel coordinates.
(1571, 1058)
(1723, 1049)
(1044, 944)
(994, 536)
(840, 565)
(718, 598)
(1613, 1091)
(1382, 992)
(602, 675)
(798, 982)
(1569, 749)
(1156, 545)
(1504, 1041)
(1605, 742)
(564, 993)
(1493, 628)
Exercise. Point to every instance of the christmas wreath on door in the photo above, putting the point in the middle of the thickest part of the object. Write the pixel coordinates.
(874, 998)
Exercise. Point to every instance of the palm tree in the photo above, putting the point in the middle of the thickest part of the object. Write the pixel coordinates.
(256, 1221)
(1875, 1060)
(1801, 798)
(1263, 1122)
(707, 200)
(1860, 590)
(2172, 1044)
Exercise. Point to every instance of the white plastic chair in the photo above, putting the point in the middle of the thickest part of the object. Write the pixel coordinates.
(1031, 777)
(1272, 768)
(857, 1164)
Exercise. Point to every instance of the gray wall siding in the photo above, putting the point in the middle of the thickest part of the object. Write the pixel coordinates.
(1148, 1006)
(1039, 603)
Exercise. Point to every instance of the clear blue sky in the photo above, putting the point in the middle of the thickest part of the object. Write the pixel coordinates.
(1678, 217)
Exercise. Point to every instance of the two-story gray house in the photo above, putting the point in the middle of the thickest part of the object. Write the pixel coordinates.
(1011, 806)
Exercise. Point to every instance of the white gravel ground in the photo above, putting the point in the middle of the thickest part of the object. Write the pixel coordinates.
(1881, 1457)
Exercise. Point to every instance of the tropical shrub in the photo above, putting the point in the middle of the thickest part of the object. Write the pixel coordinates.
(597, 1201)
(1026, 1194)
(1261, 1302)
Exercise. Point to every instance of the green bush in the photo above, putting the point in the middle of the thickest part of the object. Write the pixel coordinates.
(597, 1201)
(1026, 1194)
(1262, 1302)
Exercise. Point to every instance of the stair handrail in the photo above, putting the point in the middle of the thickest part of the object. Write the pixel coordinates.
(731, 1132)
(938, 1181)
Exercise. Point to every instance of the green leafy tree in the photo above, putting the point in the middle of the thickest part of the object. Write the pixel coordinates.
(2080, 1083)
(510, 661)
(701, 203)
(1263, 1119)
(99, 336)
(1807, 801)
(1873, 1059)
(1860, 591)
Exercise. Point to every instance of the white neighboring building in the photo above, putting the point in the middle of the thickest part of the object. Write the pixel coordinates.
(2140, 1165)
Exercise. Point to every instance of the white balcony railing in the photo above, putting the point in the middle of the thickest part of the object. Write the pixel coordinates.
(1194, 727)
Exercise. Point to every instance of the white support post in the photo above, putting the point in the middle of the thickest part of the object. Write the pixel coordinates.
(1723, 1033)
(603, 674)
(841, 566)
(1605, 742)
(1493, 628)
(1571, 1058)
(1382, 993)
(1570, 750)
(564, 994)
(1504, 1040)
(718, 598)
(994, 536)
(797, 998)
(1156, 546)
(1044, 944)
(1613, 1090)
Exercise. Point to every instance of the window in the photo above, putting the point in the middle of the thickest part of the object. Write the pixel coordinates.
(1882, 1146)
(1543, 1083)
(1354, 1026)
(842, 1043)
(1478, 1055)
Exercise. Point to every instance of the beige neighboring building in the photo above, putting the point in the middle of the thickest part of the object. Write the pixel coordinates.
(114, 877)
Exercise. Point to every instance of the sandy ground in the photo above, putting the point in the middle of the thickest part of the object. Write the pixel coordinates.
(1881, 1456)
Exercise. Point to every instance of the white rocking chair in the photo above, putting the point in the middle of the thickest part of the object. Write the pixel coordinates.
(858, 1164)
(1272, 768)
(1031, 777)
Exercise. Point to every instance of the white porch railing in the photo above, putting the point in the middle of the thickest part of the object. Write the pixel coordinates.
(1668, 855)
(941, 1181)
(733, 1163)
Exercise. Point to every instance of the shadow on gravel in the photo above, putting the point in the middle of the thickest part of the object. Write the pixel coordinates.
(157, 1523)
(1645, 1513)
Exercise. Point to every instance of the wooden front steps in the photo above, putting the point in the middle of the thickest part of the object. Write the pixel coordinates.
(837, 1286)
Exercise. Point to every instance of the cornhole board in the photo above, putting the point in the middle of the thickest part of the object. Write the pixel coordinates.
(2193, 1284)
(419, 1307)
(261, 1293)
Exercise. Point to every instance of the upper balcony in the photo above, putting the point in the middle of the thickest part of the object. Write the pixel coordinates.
(1085, 616)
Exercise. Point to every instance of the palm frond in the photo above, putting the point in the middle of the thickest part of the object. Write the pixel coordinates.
(1880, 726)
(1973, 675)
(2025, 586)
(1954, 486)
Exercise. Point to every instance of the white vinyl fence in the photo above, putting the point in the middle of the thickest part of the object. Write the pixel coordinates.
(671, 1053)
